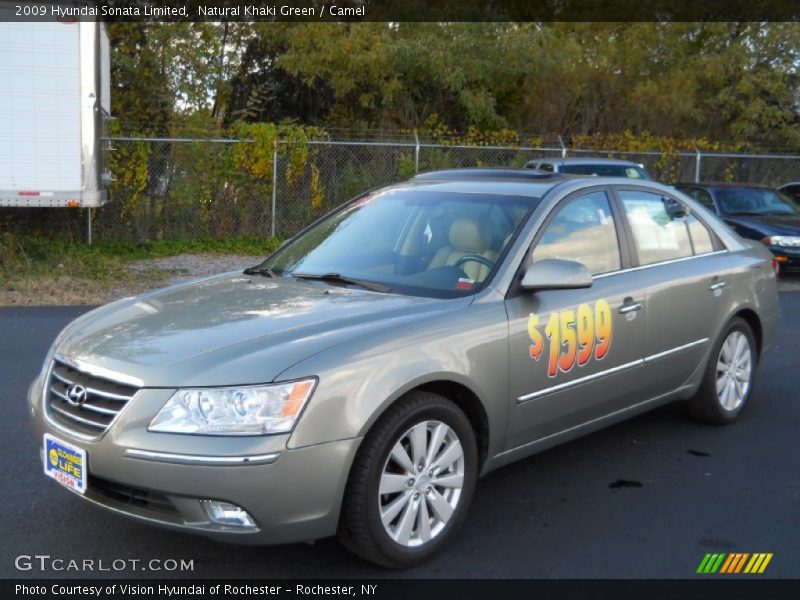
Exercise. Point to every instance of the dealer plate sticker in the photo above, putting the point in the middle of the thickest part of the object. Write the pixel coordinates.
(65, 463)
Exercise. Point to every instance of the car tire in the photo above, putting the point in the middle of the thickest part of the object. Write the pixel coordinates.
(414, 517)
(728, 379)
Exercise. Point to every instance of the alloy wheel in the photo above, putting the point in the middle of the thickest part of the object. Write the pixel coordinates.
(734, 370)
(421, 483)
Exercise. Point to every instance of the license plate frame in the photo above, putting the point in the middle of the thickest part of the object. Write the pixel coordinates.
(66, 463)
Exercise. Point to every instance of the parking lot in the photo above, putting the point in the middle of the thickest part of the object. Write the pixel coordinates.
(647, 498)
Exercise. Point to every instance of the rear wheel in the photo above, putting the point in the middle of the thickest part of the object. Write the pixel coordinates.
(728, 379)
(411, 483)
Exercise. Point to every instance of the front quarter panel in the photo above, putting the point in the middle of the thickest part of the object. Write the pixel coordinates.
(358, 380)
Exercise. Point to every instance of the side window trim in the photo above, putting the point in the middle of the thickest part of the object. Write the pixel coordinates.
(624, 231)
(716, 242)
(714, 209)
(659, 264)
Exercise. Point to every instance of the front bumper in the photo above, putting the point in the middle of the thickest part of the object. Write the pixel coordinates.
(788, 258)
(291, 494)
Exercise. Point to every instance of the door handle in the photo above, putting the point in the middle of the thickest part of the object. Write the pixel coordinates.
(717, 286)
(629, 306)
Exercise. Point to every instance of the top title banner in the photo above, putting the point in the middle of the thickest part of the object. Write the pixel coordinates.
(402, 10)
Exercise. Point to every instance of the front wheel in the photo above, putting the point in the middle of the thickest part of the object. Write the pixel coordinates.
(411, 483)
(728, 379)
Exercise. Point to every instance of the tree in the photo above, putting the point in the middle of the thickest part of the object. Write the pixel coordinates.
(733, 82)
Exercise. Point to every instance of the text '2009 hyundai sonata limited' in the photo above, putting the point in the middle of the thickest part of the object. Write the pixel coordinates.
(362, 378)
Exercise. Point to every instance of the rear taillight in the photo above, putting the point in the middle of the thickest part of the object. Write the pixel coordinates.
(776, 266)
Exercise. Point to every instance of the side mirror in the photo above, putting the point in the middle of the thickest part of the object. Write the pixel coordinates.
(675, 209)
(556, 274)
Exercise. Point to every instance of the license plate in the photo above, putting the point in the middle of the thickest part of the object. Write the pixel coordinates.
(65, 463)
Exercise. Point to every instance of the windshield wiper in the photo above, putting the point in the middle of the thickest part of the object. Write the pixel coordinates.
(337, 278)
(264, 271)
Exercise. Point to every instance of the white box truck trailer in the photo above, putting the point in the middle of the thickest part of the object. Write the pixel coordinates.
(54, 100)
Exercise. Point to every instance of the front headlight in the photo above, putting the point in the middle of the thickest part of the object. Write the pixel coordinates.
(791, 241)
(246, 410)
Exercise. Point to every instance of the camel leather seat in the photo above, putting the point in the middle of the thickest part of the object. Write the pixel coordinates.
(468, 237)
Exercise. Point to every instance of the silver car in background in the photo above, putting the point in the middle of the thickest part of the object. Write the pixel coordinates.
(362, 378)
(599, 167)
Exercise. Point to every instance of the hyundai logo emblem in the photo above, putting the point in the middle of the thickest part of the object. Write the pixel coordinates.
(76, 395)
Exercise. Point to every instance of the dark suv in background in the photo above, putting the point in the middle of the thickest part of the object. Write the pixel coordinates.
(791, 189)
(757, 212)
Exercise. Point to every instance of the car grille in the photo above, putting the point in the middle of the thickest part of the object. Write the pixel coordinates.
(91, 417)
(138, 498)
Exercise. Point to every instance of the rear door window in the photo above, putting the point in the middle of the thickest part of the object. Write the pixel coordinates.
(702, 241)
(659, 235)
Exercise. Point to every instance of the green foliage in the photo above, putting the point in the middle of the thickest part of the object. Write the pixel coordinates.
(350, 182)
(256, 155)
(406, 166)
(262, 139)
(129, 166)
(254, 246)
(723, 81)
(52, 250)
(317, 190)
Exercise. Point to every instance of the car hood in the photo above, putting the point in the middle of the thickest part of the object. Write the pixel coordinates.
(768, 224)
(232, 329)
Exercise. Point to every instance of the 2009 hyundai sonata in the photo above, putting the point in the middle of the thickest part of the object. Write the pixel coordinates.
(362, 377)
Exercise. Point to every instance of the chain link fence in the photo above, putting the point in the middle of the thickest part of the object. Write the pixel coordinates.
(180, 188)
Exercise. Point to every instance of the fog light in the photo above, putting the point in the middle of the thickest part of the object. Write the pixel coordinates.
(225, 513)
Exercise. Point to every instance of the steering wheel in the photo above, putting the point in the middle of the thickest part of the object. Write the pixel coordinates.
(474, 258)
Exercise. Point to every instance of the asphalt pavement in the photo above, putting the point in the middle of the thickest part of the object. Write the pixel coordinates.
(647, 498)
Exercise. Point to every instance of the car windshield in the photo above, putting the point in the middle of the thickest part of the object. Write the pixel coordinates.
(755, 201)
(603, 170)
(409, 241)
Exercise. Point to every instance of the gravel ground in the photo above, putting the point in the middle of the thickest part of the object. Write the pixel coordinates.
(187, 266)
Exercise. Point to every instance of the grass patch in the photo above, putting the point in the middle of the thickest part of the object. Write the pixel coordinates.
(60, 271)
(172, 247)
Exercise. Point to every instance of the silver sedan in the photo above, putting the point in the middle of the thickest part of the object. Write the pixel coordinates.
(360, 379)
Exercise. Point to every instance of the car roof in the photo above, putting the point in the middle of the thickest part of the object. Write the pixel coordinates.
(508, 181)
(489, 187)
(503, 181)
